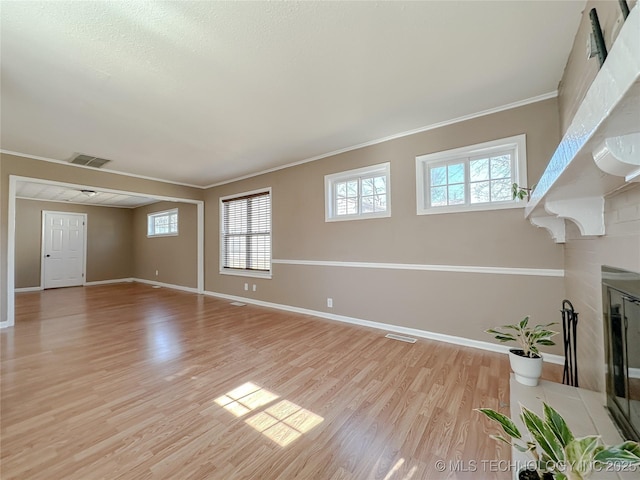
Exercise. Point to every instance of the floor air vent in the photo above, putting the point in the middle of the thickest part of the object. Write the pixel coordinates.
(400, 337)
(89, 161)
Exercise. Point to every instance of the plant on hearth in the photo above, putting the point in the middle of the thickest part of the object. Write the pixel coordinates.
(555, 450)
(529, 338)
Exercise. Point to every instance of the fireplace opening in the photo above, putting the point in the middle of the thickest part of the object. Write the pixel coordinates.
(621, 302)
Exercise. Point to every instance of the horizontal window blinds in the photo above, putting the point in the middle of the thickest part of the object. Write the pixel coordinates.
(247, 232)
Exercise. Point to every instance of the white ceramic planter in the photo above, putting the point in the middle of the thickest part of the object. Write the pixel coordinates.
(527, 370)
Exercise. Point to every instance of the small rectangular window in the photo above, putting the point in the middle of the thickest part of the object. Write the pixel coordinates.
(162, 224)
(245, 231)
(358, 194)
(478, 177)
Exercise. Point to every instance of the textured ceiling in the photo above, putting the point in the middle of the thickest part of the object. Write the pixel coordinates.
(58, 193)
(203, 92)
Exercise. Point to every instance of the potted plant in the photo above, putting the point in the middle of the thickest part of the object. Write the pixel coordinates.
(526, 362)
(556, 452)
(520, 192)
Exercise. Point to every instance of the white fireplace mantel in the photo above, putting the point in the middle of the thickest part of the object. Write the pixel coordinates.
(600, 152)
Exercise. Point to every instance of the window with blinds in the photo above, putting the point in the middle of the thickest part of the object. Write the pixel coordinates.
(246, 233)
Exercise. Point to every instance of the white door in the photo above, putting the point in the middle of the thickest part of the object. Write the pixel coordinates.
(63, 249)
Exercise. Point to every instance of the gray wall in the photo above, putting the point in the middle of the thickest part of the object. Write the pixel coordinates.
(117, 243)
(174, 257)
(620, 247)
(109, 252)
(584, 257)
(579, 71)
(461, 304)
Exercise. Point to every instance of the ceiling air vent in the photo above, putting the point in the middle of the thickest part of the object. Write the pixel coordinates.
(89, 161)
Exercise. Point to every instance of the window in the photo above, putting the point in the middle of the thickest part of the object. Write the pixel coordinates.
(358, 194)
(478, 177)
(162, 224)
(245, 230)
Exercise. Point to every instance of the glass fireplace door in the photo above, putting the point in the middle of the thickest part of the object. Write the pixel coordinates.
(618, 356)
(632, 333)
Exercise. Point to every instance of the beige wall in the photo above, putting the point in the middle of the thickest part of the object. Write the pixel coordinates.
(620, 247)
(584, 257)
(14, 165)
(579, 71)
(462, 304)
(109, 252)
(174, 257)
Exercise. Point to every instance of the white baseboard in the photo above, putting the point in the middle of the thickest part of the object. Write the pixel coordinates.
(467, 342)
(28, 289)
(166, 285)
(106, 282)
(85, 284)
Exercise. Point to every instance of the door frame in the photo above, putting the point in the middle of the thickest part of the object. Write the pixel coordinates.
(84, 246)
(11, 227)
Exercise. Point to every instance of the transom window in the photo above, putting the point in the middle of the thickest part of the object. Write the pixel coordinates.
(357, 194)
(478, 177)
(246, 234)
(162, 224)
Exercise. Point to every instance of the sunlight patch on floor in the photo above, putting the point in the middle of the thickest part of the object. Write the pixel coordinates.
(245, 398)
(282, 422)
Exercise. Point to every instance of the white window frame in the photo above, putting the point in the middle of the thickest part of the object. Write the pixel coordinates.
(154, 215)
(516, 144)
(239, 272)
(357, 174)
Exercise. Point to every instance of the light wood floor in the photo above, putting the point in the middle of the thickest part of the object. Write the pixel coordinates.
(130, 382)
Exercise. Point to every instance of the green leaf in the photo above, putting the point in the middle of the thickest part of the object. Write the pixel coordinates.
(500, 438)
(544, 325)
(512, 327)
(627, 453)
(580, 454)
(522, 448)
(543, 434)
(523, 323)
(546, 343)
(507, 424)
(557, 425)
(505, 338)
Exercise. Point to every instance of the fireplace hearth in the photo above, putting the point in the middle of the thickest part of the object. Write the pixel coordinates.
(621, 302)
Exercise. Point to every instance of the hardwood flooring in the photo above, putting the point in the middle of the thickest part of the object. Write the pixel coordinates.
(131, 382)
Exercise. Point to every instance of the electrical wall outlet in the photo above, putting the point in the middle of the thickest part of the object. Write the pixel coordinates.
(246, 286)
(255, 287)
(156, 273)
(329, 302)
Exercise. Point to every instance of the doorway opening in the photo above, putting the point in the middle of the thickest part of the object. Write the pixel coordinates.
(128, 199)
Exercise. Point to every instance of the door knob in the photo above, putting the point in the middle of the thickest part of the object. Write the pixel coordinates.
(47, 255)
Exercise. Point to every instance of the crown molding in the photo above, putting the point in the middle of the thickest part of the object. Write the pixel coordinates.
(464, 118)
(508, 106)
